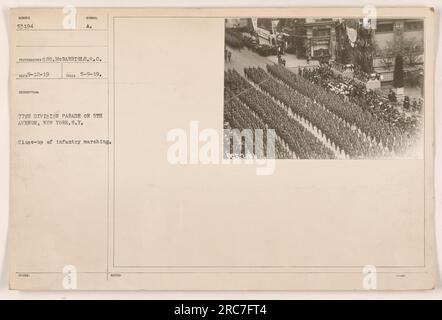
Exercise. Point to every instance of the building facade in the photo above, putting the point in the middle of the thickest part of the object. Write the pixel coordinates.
(397, 35)
(320, 38)
(310, 38)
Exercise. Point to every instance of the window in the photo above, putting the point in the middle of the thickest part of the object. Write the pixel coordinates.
(413, 26)
(265, 23)
(321, 32)
(384, 27)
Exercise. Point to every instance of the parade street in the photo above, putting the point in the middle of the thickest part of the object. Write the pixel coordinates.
(247, 58)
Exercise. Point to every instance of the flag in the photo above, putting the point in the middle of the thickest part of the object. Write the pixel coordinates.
(274, 24)
(352, 35)
(255, 23)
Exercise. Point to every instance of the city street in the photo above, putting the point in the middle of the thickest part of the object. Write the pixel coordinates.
(245, 58)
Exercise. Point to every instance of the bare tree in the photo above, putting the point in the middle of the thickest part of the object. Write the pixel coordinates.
(410, 49)
(386, 55)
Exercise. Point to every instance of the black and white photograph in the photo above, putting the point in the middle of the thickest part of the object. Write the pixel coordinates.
(328, 88)
(222, 156)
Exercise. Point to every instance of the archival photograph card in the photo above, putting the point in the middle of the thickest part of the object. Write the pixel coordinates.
(222, 149)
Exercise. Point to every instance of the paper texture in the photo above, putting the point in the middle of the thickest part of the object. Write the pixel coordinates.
(115, 184)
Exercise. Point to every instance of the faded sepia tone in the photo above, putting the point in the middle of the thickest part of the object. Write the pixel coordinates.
(94, 193)
(332, 88)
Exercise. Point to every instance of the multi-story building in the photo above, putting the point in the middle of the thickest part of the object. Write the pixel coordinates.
(395, 35)
(396, 31)
(310, 37)
(320, 38)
